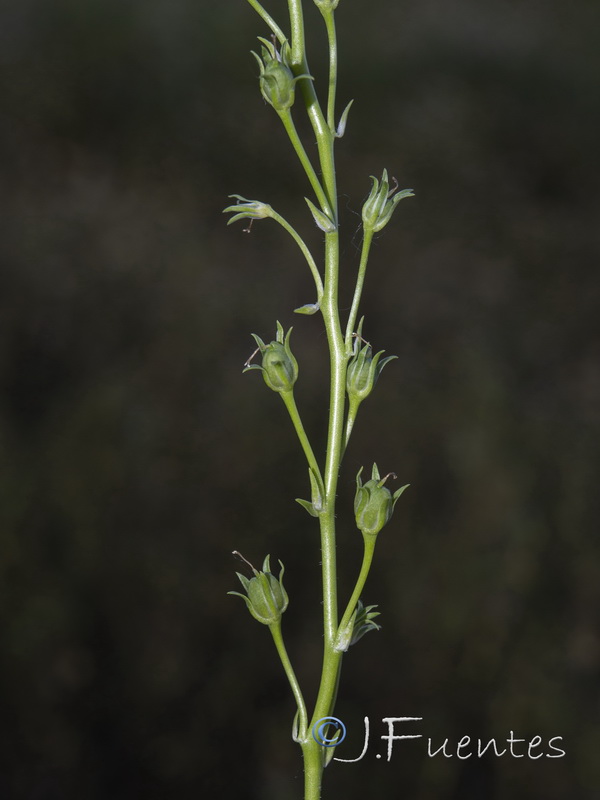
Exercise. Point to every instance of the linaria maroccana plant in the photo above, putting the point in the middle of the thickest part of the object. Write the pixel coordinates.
(354, 370)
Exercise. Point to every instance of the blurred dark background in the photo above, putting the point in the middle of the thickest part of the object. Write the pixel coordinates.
(135, 456)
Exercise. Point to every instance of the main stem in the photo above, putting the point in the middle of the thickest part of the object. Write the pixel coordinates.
(312, 751)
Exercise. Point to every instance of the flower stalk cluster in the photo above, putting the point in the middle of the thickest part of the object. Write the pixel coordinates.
(354, 367)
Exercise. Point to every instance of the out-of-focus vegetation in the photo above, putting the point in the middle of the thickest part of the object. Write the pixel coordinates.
(135, 456)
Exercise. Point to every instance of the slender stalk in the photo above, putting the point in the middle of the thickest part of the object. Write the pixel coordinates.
(288, 124)
(313, 752)
(322, 131)
(291, 676)
(369, 549)
(269, 20)
(362, 268)
(332, 39)
(306, 252)
(290, 404)
(337, 397)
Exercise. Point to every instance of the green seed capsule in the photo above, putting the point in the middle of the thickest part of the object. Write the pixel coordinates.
(277, 81)
(279, 367)
(277, 85)
(265, 596)
(374, 503)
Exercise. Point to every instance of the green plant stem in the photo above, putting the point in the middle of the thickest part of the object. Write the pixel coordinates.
(269, 20)
(313, 768)
(362, 268)
(313, 752)
(290, 404)
(288, 124)
(369, 549)
(322, 131)
(313, 760)
(329, 18)
(291, 676)
(337, 397)
(305, 251)
(326, 192)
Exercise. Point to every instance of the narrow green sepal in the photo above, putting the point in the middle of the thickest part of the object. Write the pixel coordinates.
(247, 209)
(322, 220)
(364, 621)
(397, 494)
(361, 622)
(261, 345)
(390, 207)
(252, 366)
(243, 580)
(341, 128)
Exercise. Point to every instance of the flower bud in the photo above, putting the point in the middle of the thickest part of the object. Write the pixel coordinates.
(361, 622)
(363, 370)
(381, 202)
(247, 209)
(265, 596)
(279, 367)
(373, 502)
(277, 81)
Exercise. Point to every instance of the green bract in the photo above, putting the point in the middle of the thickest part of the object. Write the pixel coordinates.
(277, 81)
(373, 502)
(279, 367)
(381, 203)
(265, 596)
